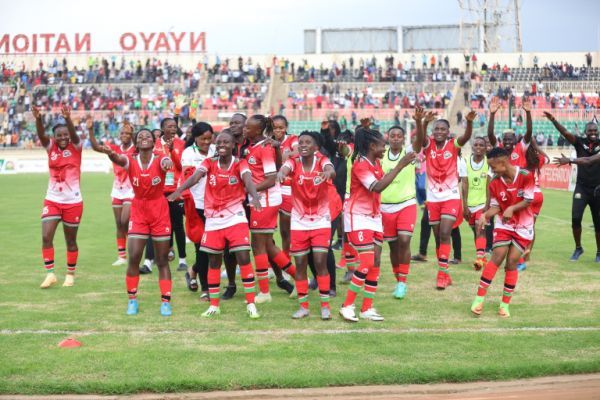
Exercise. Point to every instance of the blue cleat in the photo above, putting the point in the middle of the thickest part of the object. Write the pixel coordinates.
(165, 309)
(576, 254)
(400, 291)
(132, 307)
(598, 257)
(521, 266)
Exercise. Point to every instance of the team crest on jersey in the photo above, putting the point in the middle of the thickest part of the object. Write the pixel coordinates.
(155, 180)
(317, 180)
(447, 155)
(520, 193)
(514, 156)
(233, 180)
(251, 160)
(67, 153)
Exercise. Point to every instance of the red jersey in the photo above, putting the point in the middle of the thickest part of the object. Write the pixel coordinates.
(121, 185)
(261, 161)
(288, 145)
(224, 194)
(517, 157)
(505, 194)
(364, 175)
(148, 183)
(172, 175)
(65, 171)
(310, 201)
(442, 170)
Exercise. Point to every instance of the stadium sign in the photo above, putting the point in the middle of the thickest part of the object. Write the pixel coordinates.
(155, 42)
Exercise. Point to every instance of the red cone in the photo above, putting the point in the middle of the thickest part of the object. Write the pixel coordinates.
(70, 342)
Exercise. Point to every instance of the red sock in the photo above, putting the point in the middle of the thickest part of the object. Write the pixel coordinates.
(367, 260)
(302, 289)
(480, 243)
(324, 283)
(510, 282)
(521, 260)
(48, 256)
(443, 255)
(287, 253)
(370, 288)
(284, 263)
(214, 284)
(487, 276)
(262, 272)
(247, 274)
(132, 283)
(165, 286)
(401, 272)
(72, 261)
(122, 247)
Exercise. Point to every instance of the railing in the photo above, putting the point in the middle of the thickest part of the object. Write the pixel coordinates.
(377, 87)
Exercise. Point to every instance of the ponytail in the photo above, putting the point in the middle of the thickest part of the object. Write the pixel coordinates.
(363, 139)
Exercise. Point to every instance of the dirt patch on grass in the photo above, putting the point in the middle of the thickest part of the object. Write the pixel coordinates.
(573, 387)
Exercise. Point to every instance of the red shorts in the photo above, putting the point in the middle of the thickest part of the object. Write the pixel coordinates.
(459, 219)
(150, 218)
(399, 223)
(446, 209)
(502, 237)
(365, 240)
(70, 214)
(303, 241)
(475, 216)
(536, 204)
(265, 220)
(236, 236)
(118, 203)
(286, 205)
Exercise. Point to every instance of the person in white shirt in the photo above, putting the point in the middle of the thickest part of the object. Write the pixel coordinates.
(197, 148)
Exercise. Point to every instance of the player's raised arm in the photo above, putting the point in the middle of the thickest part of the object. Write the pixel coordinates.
(495, 105)
(66, 113)
(465, 137)
(118, 159)
(561, 129)
(89, 124)
(39, 127)
(418, 117)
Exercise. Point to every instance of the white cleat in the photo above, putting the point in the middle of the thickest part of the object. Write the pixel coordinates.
(252, 311)
(348, 313)
(49, 280)
(211, 312)
(371, 315)
(263, 298)
(69, 280)
(120, 261)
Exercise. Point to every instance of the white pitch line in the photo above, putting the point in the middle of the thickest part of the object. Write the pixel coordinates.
(543, 329)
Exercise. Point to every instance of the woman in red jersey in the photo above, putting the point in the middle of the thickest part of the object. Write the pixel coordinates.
(122, 191)
(310, 218)
(63, 200)
(261, 158)
(149, 214)
(227, 182)
(289, 148)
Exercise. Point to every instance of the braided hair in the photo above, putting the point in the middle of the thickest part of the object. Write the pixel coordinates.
(363, 139)
(266, 123)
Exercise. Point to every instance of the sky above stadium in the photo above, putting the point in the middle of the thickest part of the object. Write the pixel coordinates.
(277, 26)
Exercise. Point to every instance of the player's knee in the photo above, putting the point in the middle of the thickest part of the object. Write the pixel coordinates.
(576, 223)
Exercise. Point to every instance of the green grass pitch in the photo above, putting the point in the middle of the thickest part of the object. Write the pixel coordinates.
(428, 337)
